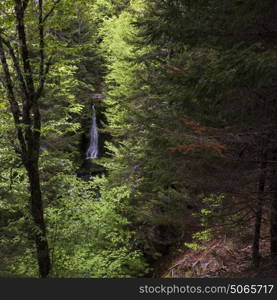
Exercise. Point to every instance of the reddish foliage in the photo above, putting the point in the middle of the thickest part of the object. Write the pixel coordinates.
(214, 147)
(196, 127)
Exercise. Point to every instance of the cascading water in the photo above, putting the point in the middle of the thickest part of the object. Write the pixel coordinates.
(92, 152)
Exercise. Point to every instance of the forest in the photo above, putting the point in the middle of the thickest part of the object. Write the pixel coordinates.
(138, 138)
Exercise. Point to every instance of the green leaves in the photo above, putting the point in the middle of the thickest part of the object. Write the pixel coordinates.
(89, 235)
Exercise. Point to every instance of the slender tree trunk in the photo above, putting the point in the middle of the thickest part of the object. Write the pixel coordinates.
(273, 179)
(274, 228)
(259, 211)
(273, 209)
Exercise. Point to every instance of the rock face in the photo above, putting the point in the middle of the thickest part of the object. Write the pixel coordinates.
(90, 169)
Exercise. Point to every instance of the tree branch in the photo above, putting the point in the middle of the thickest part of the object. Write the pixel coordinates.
(19, 11)
(51, 11)
(41, 46)
(12, 99)
(16, 67)
(25, 4)
(43, 78)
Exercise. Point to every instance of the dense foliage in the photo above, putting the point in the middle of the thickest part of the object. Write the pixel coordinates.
(185, 93)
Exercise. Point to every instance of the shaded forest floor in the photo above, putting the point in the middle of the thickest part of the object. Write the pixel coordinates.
(222, 258)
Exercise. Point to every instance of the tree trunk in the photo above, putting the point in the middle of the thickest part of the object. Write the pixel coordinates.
(272, 25)
(273, 232)
(259, 212)
(43, 255)
(273, 209)
(25, 109)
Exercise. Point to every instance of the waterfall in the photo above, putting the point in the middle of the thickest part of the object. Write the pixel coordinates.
(92, 151)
